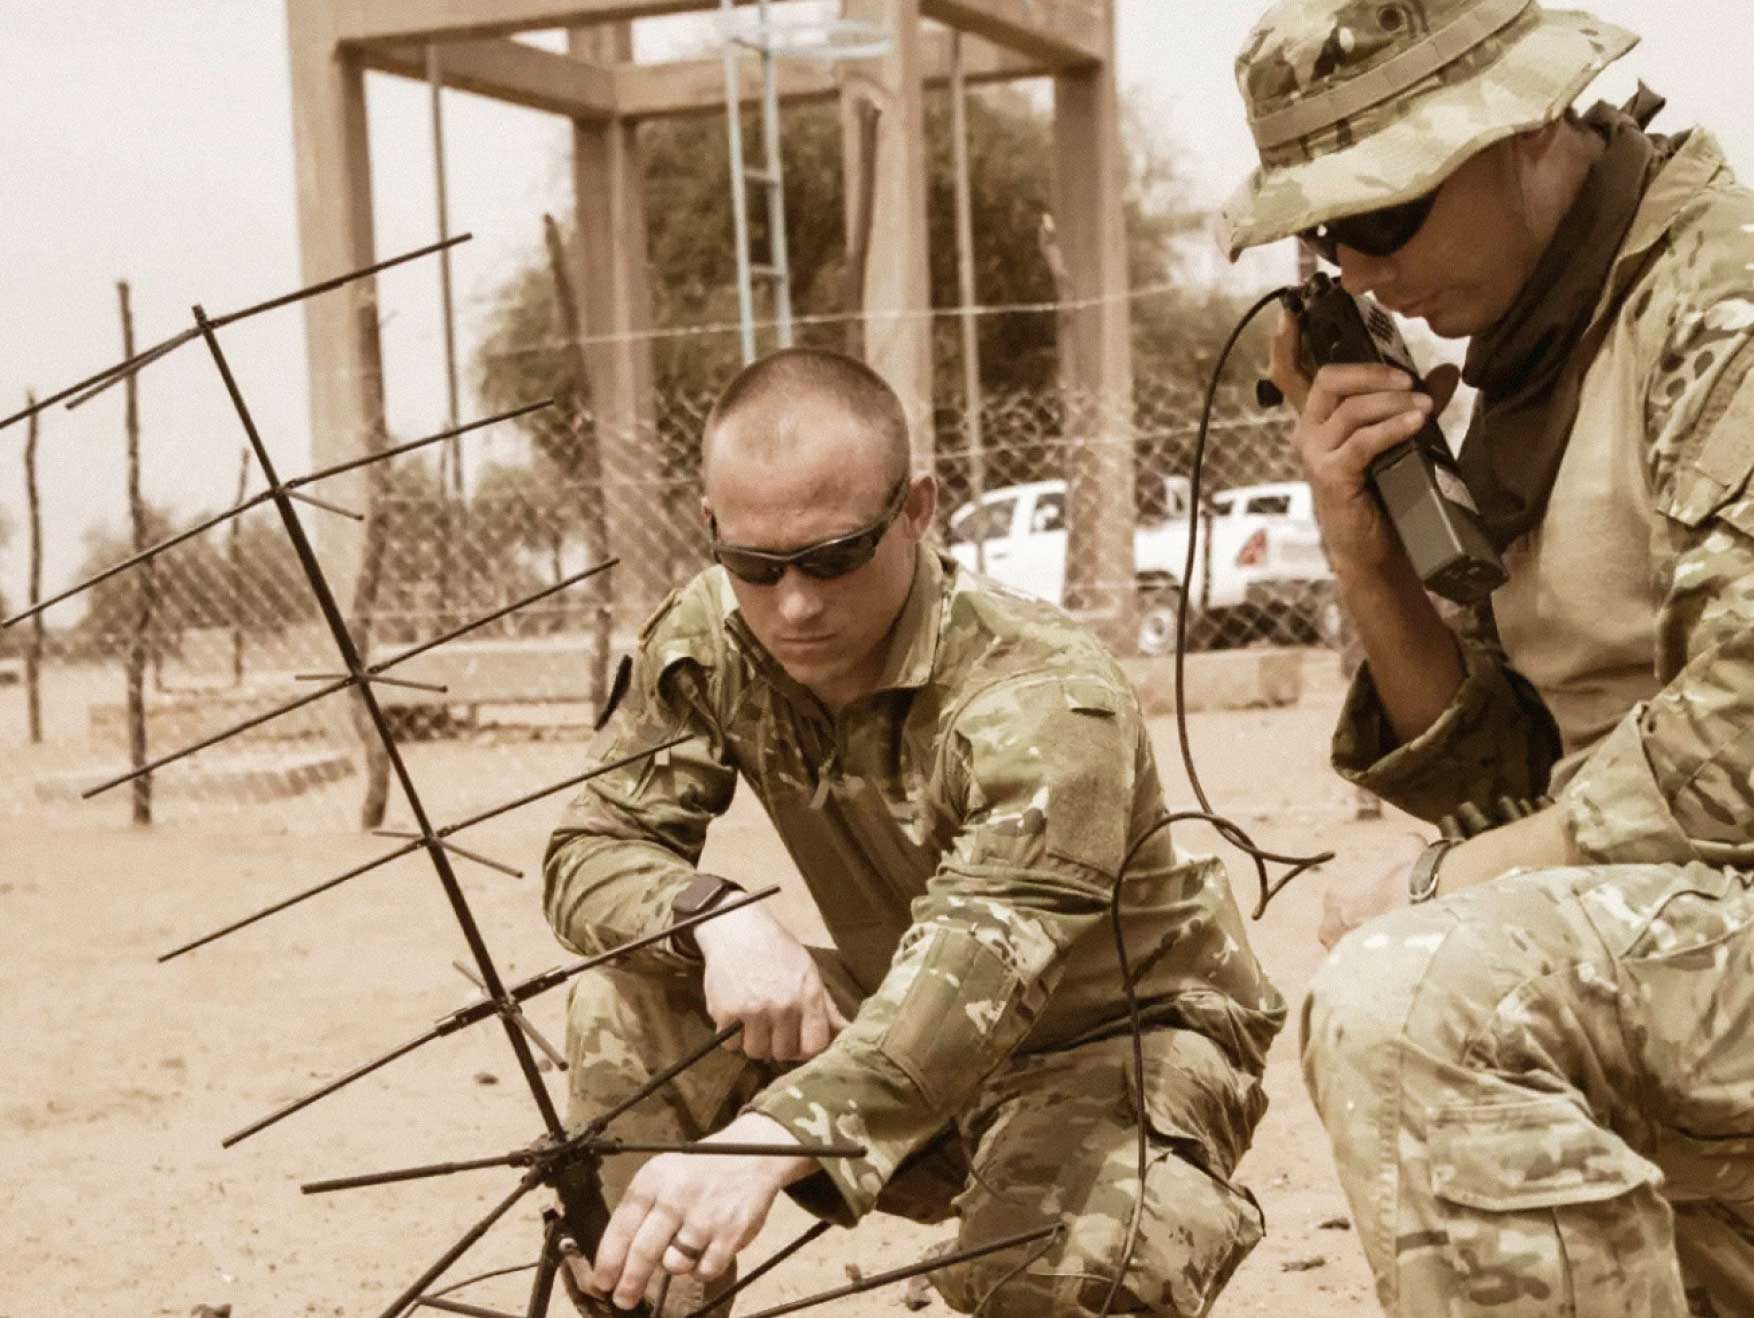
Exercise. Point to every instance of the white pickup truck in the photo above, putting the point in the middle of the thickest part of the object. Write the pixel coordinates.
(1259, 570)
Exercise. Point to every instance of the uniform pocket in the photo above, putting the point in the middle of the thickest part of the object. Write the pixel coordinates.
(1539, 1211)
(1545, 1153)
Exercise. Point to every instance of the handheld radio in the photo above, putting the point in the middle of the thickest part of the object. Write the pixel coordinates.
(1417, 481)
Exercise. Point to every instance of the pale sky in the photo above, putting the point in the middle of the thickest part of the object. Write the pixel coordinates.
(151, 141)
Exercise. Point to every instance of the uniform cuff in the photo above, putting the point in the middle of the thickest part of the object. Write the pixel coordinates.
(875, 1109)
(1461, 757)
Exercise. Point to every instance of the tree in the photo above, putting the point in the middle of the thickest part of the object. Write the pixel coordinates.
(1176, 332)
(691, 250)
(196, 584)
(526, 509)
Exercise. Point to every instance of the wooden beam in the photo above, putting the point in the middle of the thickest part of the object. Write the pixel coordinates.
(612, 275)
(697, 86)
(403, 21)
(896, 283)
(331, 152)
(1095, 349)
(508, 71)
(1064, 33)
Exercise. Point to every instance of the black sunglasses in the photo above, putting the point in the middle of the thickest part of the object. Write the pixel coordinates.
(824, 560)
(1375, 233)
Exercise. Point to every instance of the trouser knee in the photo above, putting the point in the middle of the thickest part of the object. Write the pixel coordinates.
(623, 1027)
(1354, 1018)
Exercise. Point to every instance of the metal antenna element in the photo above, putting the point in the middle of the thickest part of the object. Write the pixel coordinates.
(553, 1053)
(565, 1163)
(92, 385)
(814, 1232)
(900, 1274)
(256, 500)
(502, 1003)
(441, 861)
(399, 852)
(365, 676)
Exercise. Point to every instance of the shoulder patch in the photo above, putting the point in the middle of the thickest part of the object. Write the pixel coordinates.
(659, 614)
(686, 626)
(1086, 696)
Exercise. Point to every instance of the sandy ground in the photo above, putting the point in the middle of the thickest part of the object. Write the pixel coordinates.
(122, 1076)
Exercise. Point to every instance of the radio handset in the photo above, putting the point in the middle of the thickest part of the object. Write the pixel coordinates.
(1417, 481)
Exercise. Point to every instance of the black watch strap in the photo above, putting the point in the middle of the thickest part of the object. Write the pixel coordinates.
(1422, 881)
(701, 895)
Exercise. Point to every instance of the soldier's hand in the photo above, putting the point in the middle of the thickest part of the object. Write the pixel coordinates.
(759, 975)
(1348, 903)
(1347, 416)
(691, 1213)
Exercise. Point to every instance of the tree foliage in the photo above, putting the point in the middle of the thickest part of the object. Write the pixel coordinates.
(253, 583)
(693, 273)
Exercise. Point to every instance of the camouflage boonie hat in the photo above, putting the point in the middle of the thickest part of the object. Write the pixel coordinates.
(1358, 104)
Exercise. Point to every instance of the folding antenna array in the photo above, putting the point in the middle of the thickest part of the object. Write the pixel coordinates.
(566, 1163)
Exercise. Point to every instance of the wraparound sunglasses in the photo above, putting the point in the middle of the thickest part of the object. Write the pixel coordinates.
(824, 560)
(1375, 233)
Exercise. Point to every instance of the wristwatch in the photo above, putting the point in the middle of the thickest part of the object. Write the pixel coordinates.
(1422, 880)
(702, 894)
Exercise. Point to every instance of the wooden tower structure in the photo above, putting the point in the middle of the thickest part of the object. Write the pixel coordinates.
(606, 94)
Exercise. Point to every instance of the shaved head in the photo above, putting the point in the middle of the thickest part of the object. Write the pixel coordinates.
(804, 449)
(757, 406)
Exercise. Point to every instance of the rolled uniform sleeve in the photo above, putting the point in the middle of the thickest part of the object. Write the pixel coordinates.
(628, 843)
(1495, 738)
(1043, 771)
(1674, 781)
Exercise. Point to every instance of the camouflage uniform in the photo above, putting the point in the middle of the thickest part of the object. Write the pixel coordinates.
(960, 829)
(1541, 1091)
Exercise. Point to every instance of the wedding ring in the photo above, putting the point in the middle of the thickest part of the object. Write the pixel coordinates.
(692, 1253)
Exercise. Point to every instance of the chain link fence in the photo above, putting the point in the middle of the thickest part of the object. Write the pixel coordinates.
(222, 628)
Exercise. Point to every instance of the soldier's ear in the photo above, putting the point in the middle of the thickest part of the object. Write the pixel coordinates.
(921, 504)
(706, 509)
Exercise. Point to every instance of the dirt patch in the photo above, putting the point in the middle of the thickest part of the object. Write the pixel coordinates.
(123, 1075)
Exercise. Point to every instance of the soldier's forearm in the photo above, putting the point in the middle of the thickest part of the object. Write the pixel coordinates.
(1539, 841)
(1414, 659)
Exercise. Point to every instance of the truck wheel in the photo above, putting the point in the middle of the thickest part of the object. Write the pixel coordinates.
(1157, 610)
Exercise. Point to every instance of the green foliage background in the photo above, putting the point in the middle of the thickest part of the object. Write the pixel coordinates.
(1176, 330)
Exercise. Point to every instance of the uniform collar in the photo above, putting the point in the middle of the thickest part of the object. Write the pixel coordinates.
(913, 641)
(1696, 162)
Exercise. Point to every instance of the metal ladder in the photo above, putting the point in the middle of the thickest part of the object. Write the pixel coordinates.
(776, 271)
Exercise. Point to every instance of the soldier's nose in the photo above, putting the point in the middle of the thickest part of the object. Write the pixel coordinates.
(798, 600)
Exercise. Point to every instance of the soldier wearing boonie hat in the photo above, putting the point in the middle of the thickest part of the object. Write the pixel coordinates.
(1537, 1075)
(1356, 106)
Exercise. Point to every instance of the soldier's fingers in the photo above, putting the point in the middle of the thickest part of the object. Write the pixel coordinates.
(784, 1027)
(643, 1253)
(1367, 442)
(681, 1258)
(617, 1236)
(1333, 385)
(716, 1258)
(757, 1031)
(1282, 364)
(575, 1274)
(1366, 409)
(814, 1031)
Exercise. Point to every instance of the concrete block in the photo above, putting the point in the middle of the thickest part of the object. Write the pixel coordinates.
(1219, 679)
(182, 718)
(499, 671)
